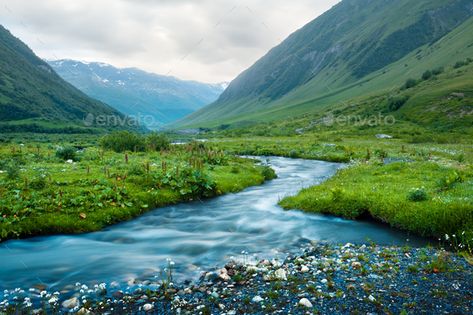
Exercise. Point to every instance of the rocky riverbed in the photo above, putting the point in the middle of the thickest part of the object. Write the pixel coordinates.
(321, 278)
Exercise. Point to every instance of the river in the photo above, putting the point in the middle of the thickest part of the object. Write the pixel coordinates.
(196, 236)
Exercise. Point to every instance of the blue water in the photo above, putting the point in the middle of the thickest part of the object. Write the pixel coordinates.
(196, 236)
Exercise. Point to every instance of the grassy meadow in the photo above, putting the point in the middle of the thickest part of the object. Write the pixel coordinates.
(50, 188)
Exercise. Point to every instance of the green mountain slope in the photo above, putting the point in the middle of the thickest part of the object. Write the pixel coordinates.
(437, 108)
(34, 98)
(357, 47)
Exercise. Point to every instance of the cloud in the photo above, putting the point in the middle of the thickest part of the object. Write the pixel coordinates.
(204, 40)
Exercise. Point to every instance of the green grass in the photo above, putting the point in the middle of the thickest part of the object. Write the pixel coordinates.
(426, 188)
(383, 192)
(49, 195)
(424, 197)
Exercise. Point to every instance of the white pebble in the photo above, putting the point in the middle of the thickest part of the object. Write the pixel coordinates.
(257, 299)
(148, 307)
(305, 302)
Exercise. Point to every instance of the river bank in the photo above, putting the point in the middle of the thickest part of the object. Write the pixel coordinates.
(64, 189)
(320, 278)
(424, 188)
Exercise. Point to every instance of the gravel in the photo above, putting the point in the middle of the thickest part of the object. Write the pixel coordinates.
(323, 278)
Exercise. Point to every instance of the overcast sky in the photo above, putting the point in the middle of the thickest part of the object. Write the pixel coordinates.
(203, 40)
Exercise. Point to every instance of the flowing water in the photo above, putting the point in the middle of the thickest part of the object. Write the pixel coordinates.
(196, 236)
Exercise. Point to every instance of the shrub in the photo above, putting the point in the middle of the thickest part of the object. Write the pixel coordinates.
(438, 71)
(157, 141)
(421, 139)
(66, 153)
(427, 75)
(460, 158)
(418, 195)
(269, 173)
(214, 158)
(395, 103)
(188, 182)
(38, 182)
(121, 141)
(136, 170)
(410, 83)
(448, 182)
(13, 171)
(459, 64)
(381, 154)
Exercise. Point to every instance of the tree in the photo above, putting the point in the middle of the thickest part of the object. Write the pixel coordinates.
(410, 83)
(427, 75)
(157, 141)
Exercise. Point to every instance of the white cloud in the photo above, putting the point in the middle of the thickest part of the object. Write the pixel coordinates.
(204, 40)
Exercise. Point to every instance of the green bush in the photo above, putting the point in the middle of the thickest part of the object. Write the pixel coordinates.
(438, 71)
(269, 173)
(187, 181)
(121, 141)
(421, 139)
(157, 141)
(136, 170)
(448, 182)
(395, 103)
(13, 171)
(66, 153)
(427, 75)
(418, 195)
(382, 154)
(38, 183)
(410, 83)
(460, 64)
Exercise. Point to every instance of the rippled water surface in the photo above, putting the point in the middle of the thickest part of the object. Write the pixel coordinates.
(197, 236)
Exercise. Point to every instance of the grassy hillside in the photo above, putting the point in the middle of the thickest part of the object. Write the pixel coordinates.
(374, 47)
(34, 98)
(435, 109)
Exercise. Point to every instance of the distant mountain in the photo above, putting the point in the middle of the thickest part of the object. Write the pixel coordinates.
(356, 48)
(162, 99)
(34, 98)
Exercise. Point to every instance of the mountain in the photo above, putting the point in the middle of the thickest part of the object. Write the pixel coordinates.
(34, 98)
(162, 99)
(356, 48)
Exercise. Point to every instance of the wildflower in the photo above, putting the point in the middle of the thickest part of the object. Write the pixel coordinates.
(447, 237)
(27, 302)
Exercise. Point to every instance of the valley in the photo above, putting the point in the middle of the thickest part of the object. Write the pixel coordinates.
(333, 176)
